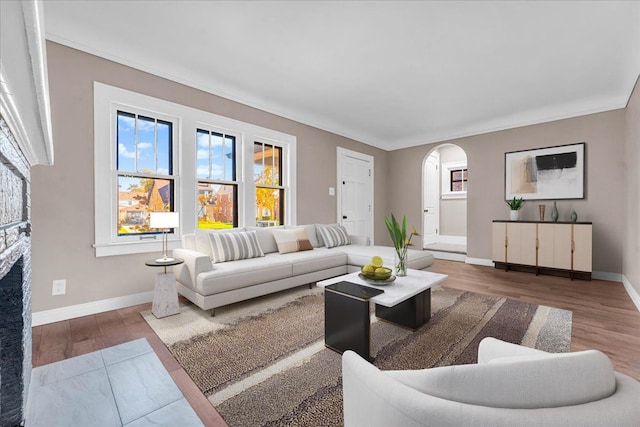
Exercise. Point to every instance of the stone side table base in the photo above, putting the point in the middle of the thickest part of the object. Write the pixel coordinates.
(165, 296)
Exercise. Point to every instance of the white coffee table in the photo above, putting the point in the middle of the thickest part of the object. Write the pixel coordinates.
(405, 302)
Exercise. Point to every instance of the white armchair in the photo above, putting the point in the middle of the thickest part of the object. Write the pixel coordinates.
(510, 386)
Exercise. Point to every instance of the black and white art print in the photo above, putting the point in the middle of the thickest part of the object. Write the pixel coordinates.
(545, 173)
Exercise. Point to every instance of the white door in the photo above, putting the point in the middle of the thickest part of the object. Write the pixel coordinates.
(355, 192)
(431, 198)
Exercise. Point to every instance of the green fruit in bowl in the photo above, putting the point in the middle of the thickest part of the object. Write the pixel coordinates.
(368, 269)
(377, 273)
(382, 273)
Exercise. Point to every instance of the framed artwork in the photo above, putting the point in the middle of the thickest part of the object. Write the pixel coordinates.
(545, 173)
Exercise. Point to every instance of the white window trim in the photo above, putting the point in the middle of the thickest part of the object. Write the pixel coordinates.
(447, 194)
(184, 166)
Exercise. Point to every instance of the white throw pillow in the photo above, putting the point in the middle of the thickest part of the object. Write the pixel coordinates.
(292, 240)
(310, 229)
(333, 235)
(234, 246)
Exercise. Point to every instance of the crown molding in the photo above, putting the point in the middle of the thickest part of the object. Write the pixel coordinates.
(24, 89)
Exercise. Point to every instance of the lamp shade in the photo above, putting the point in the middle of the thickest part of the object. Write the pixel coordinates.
(164, 220)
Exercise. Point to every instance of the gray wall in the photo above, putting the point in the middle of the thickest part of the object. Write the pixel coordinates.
(63, 194)
(605, 195)
(631, 238)
(453, 212)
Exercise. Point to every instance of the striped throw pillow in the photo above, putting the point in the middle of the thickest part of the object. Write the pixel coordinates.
(234, 246)
(333, 235)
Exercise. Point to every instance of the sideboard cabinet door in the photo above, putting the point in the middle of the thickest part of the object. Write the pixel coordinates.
(498, 241)
(554, 246)
(582, 235)
(562, 246)
(545, 245)
(521, 238)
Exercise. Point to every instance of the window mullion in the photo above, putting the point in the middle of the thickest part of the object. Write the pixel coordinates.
(224, 164)
(135, 142)
(210, 157)
(155, 145)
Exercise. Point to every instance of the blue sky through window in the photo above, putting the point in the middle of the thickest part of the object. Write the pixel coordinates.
(144, 144)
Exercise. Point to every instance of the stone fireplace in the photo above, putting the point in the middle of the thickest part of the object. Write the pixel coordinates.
(15, 280)
(25, 141)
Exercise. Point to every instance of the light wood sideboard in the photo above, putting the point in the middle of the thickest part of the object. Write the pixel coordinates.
(544, 247)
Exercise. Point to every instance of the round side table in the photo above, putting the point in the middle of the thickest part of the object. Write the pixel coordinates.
(165, 293)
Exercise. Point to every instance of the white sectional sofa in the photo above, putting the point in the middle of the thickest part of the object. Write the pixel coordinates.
(209, 283)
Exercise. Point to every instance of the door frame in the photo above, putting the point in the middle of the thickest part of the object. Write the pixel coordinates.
(446, 239)
(340, 152)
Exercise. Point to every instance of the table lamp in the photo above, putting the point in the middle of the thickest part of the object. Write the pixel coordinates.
(164, 220)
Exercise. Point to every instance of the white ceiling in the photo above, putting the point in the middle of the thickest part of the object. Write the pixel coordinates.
(389, 74)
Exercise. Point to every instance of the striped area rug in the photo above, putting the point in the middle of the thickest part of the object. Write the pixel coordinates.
(263, 362)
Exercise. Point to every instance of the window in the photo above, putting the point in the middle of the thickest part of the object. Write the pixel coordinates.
(217, 195)
(152, 155)
(454, 180)
(458, 180)
(144, 171)
(267, 176)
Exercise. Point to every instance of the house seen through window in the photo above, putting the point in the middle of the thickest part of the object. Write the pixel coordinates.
(458, 180)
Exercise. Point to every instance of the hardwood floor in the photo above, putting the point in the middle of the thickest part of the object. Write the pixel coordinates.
(604, 318)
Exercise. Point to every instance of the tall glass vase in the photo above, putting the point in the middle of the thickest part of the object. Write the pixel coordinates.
(401, 262)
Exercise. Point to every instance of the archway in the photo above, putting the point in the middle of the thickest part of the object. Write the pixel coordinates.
(444, 201)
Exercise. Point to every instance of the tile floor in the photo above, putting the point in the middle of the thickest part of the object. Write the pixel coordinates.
(124, 385)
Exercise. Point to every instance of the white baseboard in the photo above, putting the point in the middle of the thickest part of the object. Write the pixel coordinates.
(635, 297)
(453, 240)
(604, 275)
(450, 256)
(479, 261)
(94, 307)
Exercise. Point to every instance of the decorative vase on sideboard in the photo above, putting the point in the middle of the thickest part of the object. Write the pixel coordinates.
(574, 216)
(514, 214)
(554, 212)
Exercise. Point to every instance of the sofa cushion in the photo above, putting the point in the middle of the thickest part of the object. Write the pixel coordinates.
(234, 246)
(266, 239)
(228, 276)
(520, 382)
(292, 240)
(333, 235)
(312, 233)
(317, 259)
(189, 241)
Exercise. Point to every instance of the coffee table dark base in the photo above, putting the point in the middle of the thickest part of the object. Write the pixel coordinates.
(412, 313)
(347, 325)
